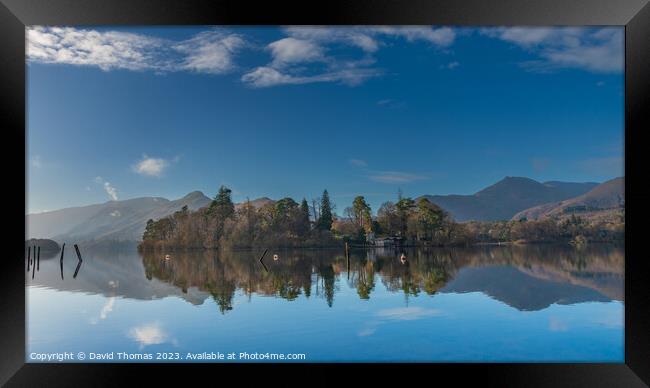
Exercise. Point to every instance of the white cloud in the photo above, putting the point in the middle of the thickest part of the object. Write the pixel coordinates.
(595, 50)
(391, 103)
(210, 52)
(214, 51)
(207, 52)
(148, 334)
(396, 177)
(266, 76)
(358, 163)
(110, 190)
(292, 50)
(451, 65)
(151, 166)
(107, 50)
(443, 36)
(522, 36)
(367, 38)
(351, 36)
(315, 44)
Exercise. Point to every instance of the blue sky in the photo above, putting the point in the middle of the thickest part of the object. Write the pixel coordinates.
(118, 113)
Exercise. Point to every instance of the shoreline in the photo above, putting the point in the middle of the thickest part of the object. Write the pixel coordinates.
(374, 247)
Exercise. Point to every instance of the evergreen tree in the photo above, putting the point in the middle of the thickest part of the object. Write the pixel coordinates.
(149, 230)
(362, 213)
(326, 218)
(222, 206)
(304, 215)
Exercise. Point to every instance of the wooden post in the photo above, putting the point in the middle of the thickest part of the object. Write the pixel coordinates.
(262, 262)
(76, 247)
(347, 257)
(29, 257)
(76, 271)
(38, 260)
(33, 267)
(62, 250)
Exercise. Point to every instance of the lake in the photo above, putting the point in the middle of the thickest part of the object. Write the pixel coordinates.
(531, 303)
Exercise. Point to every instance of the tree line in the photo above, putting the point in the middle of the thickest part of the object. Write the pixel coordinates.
(287, 223)
(222, 224)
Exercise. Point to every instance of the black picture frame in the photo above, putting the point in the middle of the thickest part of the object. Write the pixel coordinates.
(633, 14)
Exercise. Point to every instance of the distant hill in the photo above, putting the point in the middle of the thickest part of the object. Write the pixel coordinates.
(257, 203)
(603, 201)
(113, 220)
(48, 247)
(520, 289)
(504, 199)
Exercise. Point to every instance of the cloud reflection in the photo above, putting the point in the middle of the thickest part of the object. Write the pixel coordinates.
(148, 334)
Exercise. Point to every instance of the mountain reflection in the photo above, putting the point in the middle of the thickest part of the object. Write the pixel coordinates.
(527, 278)
(524, 277)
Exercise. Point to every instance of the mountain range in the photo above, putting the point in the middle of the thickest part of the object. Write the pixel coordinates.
(604, 200)
(113, 220)
(510, 198)
(504, 199)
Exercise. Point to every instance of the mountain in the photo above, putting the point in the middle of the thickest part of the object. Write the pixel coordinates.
(604, 200)
(519, 289)
(113, 220)
(256, 203)
(504, 199)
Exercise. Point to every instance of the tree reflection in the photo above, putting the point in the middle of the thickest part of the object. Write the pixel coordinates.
(222, 273)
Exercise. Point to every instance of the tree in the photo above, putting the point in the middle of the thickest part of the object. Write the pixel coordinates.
(388, 218)
(362, 213)
(430, 218)
(304, 217)
(326, 218)
(283, 209)
(404, 209)
(149, 231)
(222, 206)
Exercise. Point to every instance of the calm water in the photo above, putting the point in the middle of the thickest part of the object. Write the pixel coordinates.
(534, 303)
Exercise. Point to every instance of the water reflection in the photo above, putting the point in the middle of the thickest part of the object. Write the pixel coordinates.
(527, 278)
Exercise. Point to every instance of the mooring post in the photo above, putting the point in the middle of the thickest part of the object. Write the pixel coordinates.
(262, 262)
(76, 247)
(38, 260)
(62, 249)
(33, 267)
(347, 257)
(76, 271)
